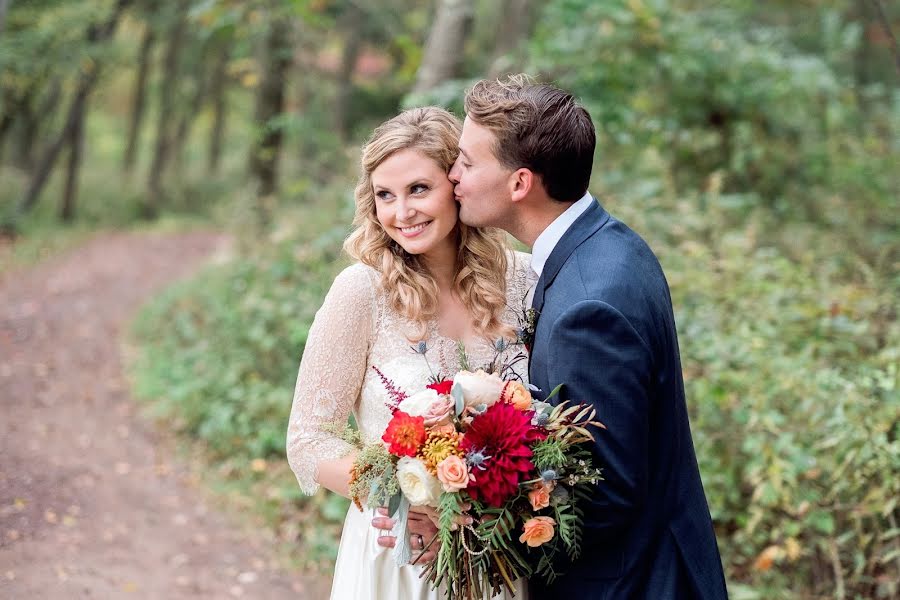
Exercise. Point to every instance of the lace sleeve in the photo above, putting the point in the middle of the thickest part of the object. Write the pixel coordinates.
(519, 280)
(331, 375)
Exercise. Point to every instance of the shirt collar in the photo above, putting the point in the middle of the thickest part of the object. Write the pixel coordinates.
(546, 242)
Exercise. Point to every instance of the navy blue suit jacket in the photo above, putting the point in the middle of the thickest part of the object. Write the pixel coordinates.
(607, 332)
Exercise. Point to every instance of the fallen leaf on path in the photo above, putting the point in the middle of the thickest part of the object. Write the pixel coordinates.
(247, 577)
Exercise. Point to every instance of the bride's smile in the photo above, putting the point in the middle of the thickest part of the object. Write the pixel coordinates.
(414, 203)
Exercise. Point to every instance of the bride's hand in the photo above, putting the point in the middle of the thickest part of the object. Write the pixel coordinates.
(432, 514)
(422, 525)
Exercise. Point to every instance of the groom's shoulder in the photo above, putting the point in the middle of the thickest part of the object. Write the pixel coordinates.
(616, 259)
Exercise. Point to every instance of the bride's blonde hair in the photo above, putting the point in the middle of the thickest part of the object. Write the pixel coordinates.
(481, 258)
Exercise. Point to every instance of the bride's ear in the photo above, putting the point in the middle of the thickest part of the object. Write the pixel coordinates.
(521, 182)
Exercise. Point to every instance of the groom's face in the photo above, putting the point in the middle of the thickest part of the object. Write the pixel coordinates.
(482, 184)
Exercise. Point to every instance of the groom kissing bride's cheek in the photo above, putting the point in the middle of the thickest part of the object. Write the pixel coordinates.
(593, 323)
(606, 331)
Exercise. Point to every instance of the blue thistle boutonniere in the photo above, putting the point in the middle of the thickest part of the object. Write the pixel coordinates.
(529, 325)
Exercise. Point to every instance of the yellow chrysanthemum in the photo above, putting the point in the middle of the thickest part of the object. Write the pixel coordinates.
(439, 446)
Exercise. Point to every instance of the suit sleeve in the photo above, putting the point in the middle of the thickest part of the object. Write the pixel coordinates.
(601, 359)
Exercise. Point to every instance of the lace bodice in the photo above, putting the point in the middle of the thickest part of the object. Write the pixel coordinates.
(353, 332)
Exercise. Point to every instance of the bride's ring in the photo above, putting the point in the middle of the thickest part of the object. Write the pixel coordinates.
(421, 541)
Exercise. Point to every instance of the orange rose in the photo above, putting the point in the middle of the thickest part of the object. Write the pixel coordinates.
(539, 497)
(453, 473)
(517, 394)
(537, 531)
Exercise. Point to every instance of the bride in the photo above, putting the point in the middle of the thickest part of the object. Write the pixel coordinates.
(423, 281)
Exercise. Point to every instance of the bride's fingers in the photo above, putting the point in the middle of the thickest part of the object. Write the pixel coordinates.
(382, 523)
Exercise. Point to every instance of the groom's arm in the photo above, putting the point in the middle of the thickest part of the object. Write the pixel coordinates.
(602, 360)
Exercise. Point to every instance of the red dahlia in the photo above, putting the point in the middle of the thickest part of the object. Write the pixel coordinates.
(501, 434)
(404, 434)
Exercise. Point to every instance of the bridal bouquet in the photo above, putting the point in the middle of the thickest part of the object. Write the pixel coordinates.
(521, 465)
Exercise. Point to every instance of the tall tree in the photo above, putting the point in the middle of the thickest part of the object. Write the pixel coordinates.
(4, 7)
(350, 23)
(76, 149)
(443, 51)
(218, 89)
(276, 60)
(139, 96)
(517, 22)
(167, 96)
(75, 115)
(192, 109)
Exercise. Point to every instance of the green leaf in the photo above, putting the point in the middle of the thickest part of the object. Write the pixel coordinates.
(456, 392)
(394, 503)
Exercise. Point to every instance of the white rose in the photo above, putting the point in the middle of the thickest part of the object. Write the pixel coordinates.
(479, 387)
(417, 404)
(419, 486)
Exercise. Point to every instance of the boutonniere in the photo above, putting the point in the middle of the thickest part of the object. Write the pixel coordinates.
(529, 325)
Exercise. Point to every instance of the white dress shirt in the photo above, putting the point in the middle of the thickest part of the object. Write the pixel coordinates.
(546, 242)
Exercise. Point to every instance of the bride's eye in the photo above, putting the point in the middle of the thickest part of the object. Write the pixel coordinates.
(418, 188)
(383, 195)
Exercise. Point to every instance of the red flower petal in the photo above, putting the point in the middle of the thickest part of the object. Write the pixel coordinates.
(443, 387)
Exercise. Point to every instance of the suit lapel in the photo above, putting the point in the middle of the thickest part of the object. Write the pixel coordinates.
(584, 227)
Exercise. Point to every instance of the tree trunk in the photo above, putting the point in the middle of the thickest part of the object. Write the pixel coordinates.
(27, 131)
(514, 28)
(76, 148)
(4, 7)
(443, 52)
(151, 201)
(277, 59)
(886, 26)
(350, 24)
(86, 84)
(218, 86)
(6, 121)
(189, 115)
(139, 100)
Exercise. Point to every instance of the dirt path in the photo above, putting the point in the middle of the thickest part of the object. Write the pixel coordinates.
(92, 505)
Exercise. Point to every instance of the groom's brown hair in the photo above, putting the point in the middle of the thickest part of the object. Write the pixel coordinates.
(539, 127)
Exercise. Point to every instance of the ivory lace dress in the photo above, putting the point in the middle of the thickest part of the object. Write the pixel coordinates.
(353, 331)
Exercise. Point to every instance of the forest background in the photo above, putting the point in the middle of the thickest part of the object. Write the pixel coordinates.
(753, 144)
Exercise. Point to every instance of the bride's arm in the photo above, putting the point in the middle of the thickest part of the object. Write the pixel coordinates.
(328, 384)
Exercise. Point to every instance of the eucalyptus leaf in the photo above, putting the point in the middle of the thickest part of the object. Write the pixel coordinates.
(456, 392)
(394, 503)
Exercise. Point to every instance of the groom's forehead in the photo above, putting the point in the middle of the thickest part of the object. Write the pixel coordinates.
(475, 138)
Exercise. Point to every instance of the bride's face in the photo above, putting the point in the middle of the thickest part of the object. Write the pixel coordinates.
(414, 202)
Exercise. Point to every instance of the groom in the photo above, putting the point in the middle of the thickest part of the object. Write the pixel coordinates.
(606, 330)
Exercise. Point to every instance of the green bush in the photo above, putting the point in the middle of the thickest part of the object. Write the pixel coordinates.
(707, 91)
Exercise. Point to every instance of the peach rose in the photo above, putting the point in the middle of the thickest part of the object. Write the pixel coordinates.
(537, 531)
(453, 473)
(517, 394)
(539, 497)
(438, 413)
(443, 428)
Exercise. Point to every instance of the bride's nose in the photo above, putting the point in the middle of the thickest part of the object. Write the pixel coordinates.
(405, 211)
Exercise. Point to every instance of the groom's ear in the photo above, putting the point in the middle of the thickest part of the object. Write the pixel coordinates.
(521, 182)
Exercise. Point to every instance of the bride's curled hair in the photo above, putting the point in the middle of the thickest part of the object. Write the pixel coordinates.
(481, 258)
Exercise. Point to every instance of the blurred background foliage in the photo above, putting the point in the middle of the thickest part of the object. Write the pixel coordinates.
(754, 144)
